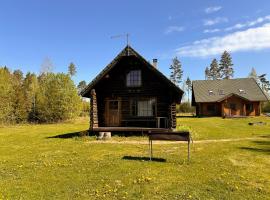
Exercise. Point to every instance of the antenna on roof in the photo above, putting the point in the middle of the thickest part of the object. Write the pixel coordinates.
(123, 35)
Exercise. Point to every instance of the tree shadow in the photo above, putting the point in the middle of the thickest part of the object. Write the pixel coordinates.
(70, 135)
(259, 146)
(137, 158)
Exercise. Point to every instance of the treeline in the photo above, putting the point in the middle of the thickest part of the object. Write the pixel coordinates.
(48, 97)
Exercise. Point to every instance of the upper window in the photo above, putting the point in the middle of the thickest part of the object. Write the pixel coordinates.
(134, 78)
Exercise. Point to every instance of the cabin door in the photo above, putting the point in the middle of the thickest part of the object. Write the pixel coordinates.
(113, 109)
(233, 109)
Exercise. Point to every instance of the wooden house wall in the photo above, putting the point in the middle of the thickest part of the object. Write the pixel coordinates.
(113, 86)
(223, 108)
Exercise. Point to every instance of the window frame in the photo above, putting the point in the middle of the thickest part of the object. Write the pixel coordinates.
(134, 80)
(134, 107)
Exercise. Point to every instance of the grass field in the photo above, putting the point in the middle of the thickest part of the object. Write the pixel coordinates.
(34, 164)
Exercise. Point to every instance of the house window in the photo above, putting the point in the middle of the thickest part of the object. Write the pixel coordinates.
(134, 78)
(143, 108)
(249, 107)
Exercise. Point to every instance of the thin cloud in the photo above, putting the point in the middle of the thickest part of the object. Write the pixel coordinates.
(217, 20)
(212, 9)
(172, 29)
(259, 20)
(249, 40)
(211, 30)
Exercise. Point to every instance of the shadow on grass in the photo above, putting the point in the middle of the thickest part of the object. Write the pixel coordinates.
(143, 158)
(259, 146)
(70, 135)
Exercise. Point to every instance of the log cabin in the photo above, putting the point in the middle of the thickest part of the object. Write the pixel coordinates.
(228, 97)
(131, 92)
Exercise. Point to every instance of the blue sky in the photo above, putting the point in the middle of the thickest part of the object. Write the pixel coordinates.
(80, 30)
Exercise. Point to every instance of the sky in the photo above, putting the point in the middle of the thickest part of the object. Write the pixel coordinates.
(80, 31)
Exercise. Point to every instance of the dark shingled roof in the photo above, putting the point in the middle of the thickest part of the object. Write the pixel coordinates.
(218, 90)
(127, 51)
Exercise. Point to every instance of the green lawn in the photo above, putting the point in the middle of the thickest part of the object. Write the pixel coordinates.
(36, 165)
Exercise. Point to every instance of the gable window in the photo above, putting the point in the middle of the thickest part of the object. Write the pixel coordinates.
(143, 108)
(134, 78)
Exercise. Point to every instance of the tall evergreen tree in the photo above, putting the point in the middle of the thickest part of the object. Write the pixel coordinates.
(176, 71)
(226, 69)
(72, 69)
(189, 86)
(214, 71)
(81, 86)
(264, 83)
(207, 73)
(253, 74)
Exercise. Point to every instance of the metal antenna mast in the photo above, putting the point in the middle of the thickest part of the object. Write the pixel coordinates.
(127, 39)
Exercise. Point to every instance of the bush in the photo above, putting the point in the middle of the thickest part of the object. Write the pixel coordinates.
(266, 107)
(185, 108)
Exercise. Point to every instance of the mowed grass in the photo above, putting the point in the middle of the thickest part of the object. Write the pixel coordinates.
(34, 164)
(218, 128)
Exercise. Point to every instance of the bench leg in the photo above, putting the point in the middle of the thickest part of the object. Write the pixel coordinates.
(188, 150)
(150, 149)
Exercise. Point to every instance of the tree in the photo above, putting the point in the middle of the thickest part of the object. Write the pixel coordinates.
(31, 86)
(253, 73)
(176, 71)
(226, 70)
(46, 66)
(189, 86)
(6, 108)
(18, 97)
(72, 69)
(264, 83)
(207, 73)
(81, 86)
(57, 99)
(214, 71)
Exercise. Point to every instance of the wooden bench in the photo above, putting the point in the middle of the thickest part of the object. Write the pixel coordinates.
(169, 136)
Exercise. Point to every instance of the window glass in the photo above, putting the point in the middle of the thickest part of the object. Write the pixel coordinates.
(143, 108)
(134, 78)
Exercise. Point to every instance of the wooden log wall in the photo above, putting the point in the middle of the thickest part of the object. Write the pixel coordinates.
(93, 110)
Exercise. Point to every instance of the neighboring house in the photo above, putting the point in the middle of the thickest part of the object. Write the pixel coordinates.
(131, 92)
(229, 97)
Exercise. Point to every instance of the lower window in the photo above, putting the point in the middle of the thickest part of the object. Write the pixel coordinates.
(249, 107)
(143, 107)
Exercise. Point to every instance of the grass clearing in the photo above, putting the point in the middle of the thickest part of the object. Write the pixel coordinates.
(36, 165)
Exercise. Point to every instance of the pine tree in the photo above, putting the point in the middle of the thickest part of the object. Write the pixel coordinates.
(176, 71)
(226, 70)
(264, 83)
(253, 74)
(189, 86)
(207, 73)
(214, 71)
(81, 86)
(72, 69)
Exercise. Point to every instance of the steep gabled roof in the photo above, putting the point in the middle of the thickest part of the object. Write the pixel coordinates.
(217, 90)
(127, 51)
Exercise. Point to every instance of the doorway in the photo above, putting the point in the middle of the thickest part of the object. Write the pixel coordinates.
(113, 109)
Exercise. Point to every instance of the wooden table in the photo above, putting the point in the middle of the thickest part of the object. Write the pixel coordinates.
(169, 136)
